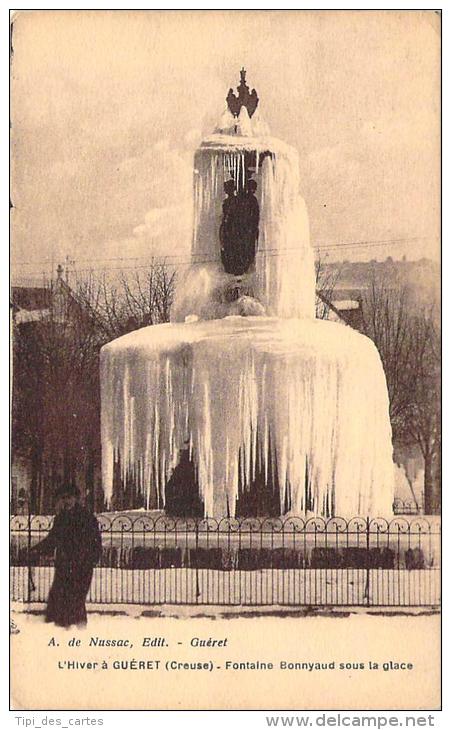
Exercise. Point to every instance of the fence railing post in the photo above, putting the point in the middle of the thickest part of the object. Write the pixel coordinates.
(29, 577)
(197, 560)
(367, 583)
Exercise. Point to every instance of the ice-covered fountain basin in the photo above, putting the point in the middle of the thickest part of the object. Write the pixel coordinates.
(307, 397)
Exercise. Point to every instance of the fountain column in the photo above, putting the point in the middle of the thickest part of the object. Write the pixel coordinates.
(280, 412)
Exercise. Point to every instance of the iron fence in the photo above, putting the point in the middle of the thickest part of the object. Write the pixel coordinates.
(408, 507)
(269, 561)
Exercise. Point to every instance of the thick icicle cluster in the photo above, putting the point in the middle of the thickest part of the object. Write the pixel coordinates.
(283, 277)
(308, 396)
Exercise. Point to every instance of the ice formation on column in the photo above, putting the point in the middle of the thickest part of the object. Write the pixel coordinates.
(283, 276)
(302, 401)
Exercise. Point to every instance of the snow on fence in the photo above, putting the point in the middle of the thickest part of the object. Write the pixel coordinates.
(156, 559)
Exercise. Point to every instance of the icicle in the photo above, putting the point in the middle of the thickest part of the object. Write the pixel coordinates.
(298, 397)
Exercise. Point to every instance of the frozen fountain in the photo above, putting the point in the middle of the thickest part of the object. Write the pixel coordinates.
(258, 396)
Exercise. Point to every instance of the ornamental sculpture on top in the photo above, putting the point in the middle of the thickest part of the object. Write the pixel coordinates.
(246, 98)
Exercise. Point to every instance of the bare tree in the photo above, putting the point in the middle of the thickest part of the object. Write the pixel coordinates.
(56, 388)
(386, 318)
(326, 278)
(423, 418)
(406, 334)
(55, 398)
(137, 300)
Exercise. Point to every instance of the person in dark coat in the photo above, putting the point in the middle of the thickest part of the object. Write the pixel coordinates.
(228, 231)
(238, 232)
(249, 222)
(76, 542)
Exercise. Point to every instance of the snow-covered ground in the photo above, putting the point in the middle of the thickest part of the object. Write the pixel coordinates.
(42, 677)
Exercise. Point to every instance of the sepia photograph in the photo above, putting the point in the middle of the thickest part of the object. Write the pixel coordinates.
(225, 335)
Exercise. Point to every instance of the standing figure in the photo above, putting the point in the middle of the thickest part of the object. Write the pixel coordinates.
(249, 221)
(76, 542)
(238, 232)
(228, 229)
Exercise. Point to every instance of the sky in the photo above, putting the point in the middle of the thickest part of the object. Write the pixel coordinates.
(108, 108)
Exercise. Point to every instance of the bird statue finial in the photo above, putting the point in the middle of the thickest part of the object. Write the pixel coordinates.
(244, 98)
